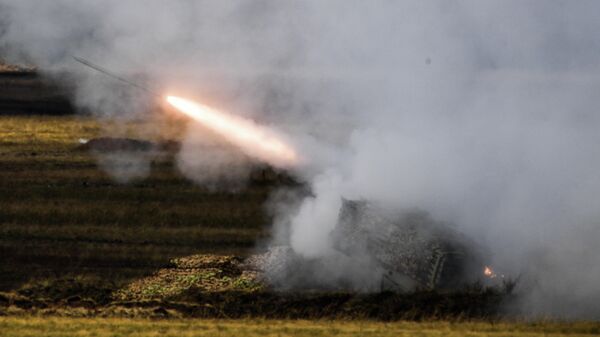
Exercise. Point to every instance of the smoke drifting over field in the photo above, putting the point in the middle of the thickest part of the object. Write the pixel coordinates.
(482, 113)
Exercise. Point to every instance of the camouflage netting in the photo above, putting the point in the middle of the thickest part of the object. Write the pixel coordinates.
(379, 250)
(414, 250)
(206, 273)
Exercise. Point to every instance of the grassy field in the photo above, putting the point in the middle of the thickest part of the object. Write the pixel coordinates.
(75, 243)
(61, 215)
(30, 326)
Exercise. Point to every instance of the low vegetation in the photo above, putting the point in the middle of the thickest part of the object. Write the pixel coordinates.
(73, 240)
(74, 243)
(32, 326)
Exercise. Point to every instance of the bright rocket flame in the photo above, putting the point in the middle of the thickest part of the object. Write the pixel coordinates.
(256, 141)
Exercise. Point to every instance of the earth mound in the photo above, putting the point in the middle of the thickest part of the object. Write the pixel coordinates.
(109, 144)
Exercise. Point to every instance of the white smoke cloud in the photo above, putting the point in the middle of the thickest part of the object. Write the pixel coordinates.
(125, 166)
(482, 113)
(211, 163)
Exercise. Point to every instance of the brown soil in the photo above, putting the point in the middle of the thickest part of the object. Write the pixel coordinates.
(210, 286)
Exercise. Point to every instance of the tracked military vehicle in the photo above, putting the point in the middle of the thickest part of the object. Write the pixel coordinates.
(412, 249)
(380, 250)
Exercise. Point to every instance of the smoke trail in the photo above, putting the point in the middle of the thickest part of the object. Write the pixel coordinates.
(482, 113)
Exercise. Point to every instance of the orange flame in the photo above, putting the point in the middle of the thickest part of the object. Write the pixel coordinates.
(254, 140)
(489, 272)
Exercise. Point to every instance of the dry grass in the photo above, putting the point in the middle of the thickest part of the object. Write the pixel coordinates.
(71, 237)
(60, 213)
(31, 326)
(6, 67)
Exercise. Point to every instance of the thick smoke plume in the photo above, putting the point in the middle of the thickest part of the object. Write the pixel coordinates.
(483, 113)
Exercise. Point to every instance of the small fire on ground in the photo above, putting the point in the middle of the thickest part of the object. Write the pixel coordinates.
(490, 273)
